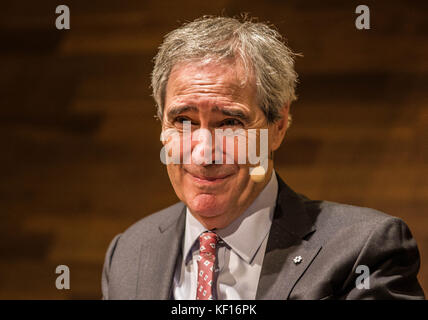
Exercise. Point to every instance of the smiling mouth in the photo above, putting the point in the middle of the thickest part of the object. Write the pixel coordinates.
(208, 180)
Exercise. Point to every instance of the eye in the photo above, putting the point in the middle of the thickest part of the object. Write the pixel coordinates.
(231, 122)
(180, 120)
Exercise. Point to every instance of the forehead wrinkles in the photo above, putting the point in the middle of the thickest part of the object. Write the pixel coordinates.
(211, 80)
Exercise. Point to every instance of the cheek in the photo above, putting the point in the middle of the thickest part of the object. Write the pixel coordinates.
(257, 148)
(241, 149)
(175, 176)
(240, 182)
(232, 149)
(275, 138)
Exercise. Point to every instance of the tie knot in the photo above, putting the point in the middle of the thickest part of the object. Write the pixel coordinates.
(207, 243)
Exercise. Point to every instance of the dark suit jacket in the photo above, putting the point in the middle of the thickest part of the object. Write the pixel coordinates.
(332, 239)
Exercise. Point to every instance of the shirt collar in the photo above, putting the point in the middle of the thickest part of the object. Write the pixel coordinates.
(245, 234)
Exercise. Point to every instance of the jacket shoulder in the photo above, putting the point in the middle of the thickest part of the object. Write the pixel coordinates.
(122, 259)
(146, 229)
(331, 218)
(349, 213)
(150, 224)
(352, 237)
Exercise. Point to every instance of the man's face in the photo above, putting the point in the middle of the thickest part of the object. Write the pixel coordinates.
(214, 96)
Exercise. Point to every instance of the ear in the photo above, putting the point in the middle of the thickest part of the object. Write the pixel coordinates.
(280, 127)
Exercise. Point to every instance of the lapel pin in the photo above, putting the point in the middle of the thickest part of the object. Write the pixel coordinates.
(297, 259)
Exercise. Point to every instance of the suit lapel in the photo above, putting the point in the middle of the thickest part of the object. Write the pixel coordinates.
(279, 274)
(158, 260)
(290, 225)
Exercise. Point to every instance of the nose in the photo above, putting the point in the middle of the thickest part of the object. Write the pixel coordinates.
(203, 147)
(211, 147)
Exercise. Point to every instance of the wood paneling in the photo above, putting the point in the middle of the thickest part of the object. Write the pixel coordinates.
(80, 145)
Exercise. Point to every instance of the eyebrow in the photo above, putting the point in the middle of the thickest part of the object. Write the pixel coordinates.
(174, 111)
(230, 112)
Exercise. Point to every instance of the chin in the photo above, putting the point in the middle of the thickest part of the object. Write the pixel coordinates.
(206, 205)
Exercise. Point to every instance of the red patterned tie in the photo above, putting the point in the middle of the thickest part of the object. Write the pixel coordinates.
(206, 260)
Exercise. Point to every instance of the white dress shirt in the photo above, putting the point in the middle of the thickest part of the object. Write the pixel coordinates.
(240, 251)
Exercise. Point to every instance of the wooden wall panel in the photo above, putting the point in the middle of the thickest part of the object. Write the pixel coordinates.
(80, 146)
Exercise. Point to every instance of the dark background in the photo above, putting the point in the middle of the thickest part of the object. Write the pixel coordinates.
(79, 158)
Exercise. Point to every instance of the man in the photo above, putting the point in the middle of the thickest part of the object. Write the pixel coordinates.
(239, 231)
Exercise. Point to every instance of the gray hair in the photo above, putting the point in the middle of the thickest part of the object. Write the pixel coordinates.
(258, 46)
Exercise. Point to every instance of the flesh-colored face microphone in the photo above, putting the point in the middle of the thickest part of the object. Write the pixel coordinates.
(258, 174)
